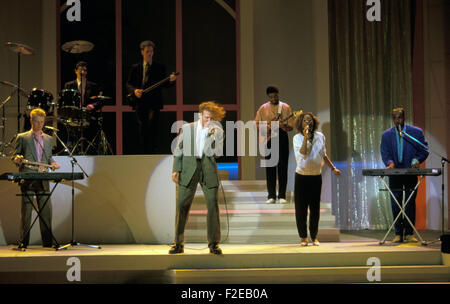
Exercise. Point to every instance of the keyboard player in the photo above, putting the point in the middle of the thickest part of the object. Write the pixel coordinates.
(35, 146)
(400, 151)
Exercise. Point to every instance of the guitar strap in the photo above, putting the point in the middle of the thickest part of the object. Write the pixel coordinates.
(280, 107)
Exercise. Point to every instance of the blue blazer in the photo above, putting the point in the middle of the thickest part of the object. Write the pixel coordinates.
(411, 149)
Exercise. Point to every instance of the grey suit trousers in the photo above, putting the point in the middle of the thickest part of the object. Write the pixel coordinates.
(185, 196)
(37, 188)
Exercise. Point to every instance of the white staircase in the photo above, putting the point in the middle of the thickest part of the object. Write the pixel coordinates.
(246, 218)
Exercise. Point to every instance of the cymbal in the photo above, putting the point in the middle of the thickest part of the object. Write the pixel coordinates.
(12, 85)
(77, 46)
(9, 84)
(19, 48)
(100, 97)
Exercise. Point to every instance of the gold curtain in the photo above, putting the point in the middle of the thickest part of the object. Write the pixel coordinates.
(370, 74)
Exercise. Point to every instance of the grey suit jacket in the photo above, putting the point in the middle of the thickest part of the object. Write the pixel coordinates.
(24, 145)
(185, 161)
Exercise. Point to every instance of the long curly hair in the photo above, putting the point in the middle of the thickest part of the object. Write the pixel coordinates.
(217, 112)
(299, 119)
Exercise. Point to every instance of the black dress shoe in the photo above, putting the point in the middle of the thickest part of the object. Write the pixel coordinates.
(215, 249)
(177, 248)
(20, 247)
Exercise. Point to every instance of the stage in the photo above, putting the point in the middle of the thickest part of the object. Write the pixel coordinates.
(127, 206)
(346, 261)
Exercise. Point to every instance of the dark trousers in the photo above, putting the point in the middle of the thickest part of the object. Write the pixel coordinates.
(281, 168)
(35, 188)
(147, 120)
(396, 184)
(185, 196)
(307, 193)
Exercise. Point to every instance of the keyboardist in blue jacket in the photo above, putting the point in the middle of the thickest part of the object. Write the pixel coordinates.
(400, 151)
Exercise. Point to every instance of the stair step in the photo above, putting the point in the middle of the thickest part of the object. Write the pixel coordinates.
(250, 204)
(273, 235)
(256, 221)
(246, 218)
(254, 225)
(257, 215)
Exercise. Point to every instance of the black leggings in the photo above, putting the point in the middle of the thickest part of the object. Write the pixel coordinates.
(307, 194)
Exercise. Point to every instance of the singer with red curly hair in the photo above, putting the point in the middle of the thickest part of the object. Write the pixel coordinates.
(199, 143)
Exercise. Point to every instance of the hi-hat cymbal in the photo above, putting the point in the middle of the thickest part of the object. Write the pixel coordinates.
(77, 46)
(19, 48)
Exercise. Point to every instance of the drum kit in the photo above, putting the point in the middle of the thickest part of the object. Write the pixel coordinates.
(66, 116)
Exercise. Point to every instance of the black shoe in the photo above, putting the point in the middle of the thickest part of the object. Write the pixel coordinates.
(21, 247)
(215, 249)
(177, 248)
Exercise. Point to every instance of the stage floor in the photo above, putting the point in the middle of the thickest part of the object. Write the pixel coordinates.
(331, 262)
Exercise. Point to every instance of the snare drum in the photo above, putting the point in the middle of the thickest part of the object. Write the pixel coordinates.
(40, 98)
(69, 103)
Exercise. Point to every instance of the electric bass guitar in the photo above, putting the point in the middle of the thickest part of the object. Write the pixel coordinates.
(133, 100)
(264, 138)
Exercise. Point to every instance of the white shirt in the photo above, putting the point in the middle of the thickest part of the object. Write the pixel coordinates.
(82, 89)
(79, 84)
(200, 138)
(312, 162)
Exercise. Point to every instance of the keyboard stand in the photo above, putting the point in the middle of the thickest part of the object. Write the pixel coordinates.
(48, 194)
(402, 209)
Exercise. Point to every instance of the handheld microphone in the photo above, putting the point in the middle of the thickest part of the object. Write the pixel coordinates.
(399, 130)
(307, 129)
(51, 128)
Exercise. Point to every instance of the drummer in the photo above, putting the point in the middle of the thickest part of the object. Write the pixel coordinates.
(88, 91)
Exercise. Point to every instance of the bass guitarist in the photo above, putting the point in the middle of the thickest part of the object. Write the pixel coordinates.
(274, 110)
(147, 105)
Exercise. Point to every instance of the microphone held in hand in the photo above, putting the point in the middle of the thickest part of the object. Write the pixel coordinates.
(211, 131)
(399, 130)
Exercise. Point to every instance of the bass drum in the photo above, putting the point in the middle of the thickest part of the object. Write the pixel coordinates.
(69, 104)
(40, 98)
(62, 132)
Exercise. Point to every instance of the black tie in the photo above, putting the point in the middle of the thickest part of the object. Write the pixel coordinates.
(147, 73)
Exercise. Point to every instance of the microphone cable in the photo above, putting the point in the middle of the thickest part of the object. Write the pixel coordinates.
(226, 207)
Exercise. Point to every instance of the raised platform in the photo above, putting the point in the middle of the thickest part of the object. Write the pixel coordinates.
(128, 203)
(342, 262)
